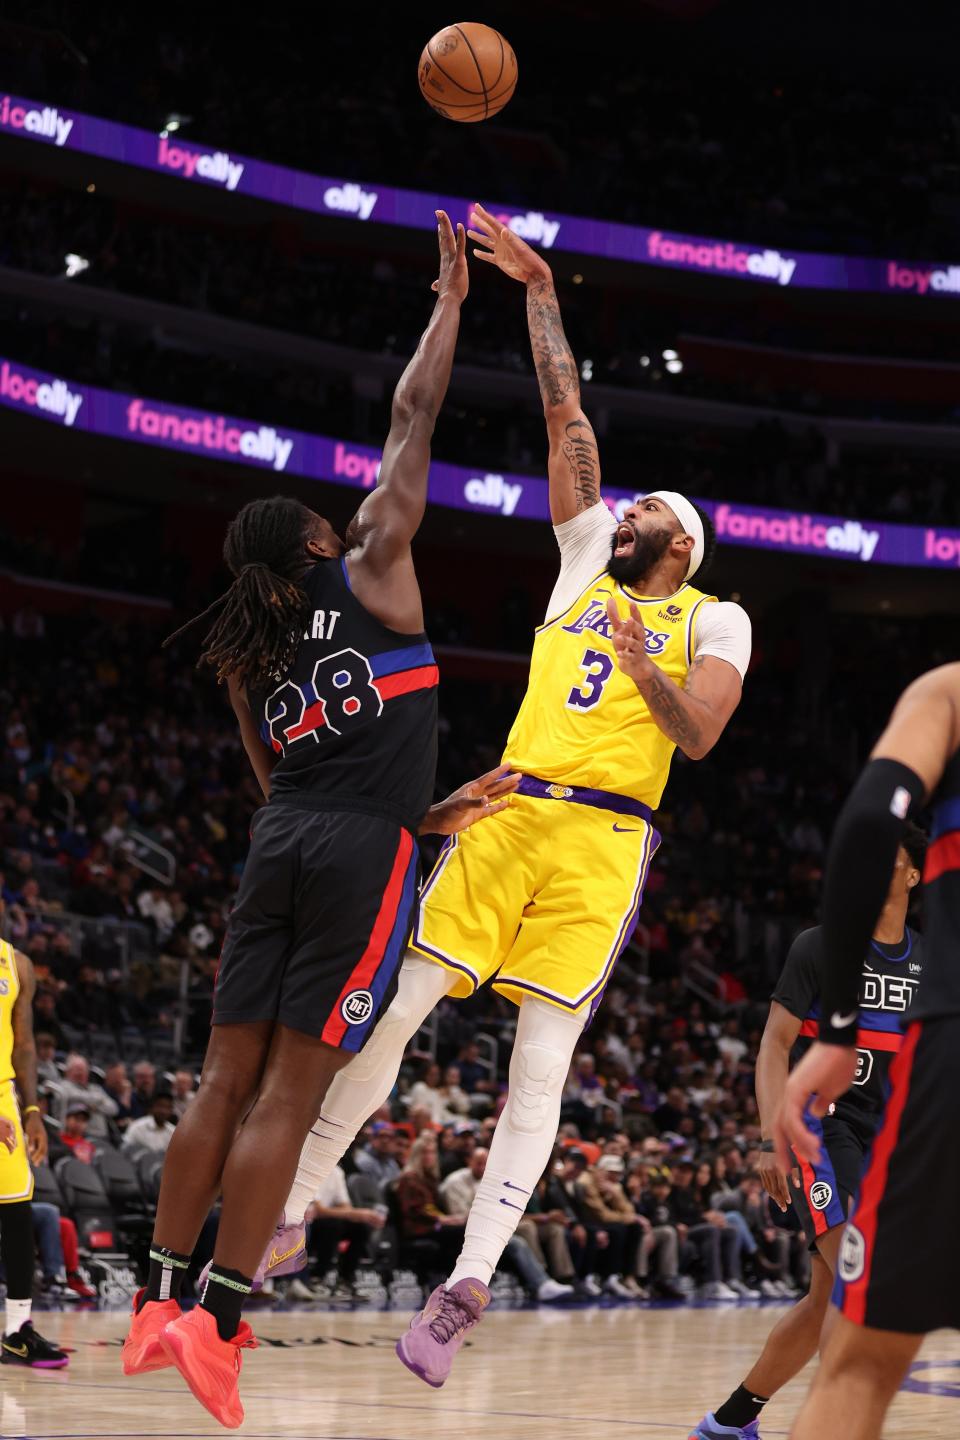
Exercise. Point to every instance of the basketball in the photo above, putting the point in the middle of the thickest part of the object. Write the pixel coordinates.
(467, 72)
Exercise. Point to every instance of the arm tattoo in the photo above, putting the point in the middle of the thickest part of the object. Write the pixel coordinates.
(670, 712)
(552, 356)
(580, 452)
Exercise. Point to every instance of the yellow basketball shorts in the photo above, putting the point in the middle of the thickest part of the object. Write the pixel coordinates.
(16, 1177)
(543, 896)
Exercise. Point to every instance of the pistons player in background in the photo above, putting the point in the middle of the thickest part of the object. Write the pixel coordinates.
(321, 642)
(898, 1272)
(822, 1190)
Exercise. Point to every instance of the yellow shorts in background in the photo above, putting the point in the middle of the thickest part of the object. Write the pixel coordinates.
(16, 1177)
(544, 896)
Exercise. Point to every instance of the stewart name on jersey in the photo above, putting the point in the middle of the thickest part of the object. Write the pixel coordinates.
(888, 984)
(354, 720)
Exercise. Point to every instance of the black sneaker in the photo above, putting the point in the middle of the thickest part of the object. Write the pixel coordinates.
(26, 1347)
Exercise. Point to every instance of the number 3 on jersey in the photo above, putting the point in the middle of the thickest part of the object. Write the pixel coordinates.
(343, 694)
(598, 668)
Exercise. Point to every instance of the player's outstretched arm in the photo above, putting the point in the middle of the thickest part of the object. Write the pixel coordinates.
(574, 460)
(693, 716)
(380, 533)
(25, 1062)
(906, 765)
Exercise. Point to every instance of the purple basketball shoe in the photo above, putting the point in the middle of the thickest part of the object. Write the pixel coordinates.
(286, 1254)
(708, 1429)
(430, 1345)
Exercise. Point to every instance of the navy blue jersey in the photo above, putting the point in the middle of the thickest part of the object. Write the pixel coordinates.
(888, 984)
(354, 719)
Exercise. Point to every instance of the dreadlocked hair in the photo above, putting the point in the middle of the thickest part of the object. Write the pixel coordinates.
(261, 617)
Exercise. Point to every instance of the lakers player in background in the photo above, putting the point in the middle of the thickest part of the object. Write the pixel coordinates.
(23, 1142)
(633, 660)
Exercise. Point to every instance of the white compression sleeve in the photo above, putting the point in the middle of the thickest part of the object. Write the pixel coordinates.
(362, 1087)
(524, 1137)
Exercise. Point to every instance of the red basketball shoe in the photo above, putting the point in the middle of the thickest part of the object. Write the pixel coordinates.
(210, 1366)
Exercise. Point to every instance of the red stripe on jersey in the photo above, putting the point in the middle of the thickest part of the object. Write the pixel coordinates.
(875, 1180)
(369, 963)
(423, 678)
(313, 719)
(866, 1039)
(943, 855)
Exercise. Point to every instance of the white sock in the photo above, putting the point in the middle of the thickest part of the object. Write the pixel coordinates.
(18, 1313)
(524, 1137)
(361, 1087)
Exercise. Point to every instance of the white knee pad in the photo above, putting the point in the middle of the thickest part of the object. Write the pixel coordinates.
(536, 1076)
(546, 1038)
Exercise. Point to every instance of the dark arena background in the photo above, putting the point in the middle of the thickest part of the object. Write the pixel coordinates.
(217, 240)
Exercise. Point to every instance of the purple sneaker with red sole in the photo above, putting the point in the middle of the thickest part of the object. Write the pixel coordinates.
(436, 1333)
(286, 1254)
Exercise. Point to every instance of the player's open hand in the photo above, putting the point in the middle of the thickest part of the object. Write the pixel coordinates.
(498, 244)
(773, 1180)
(36, 1136)
(476, 801)
(629, 641)
(8, 1133)
(454, 279)
(824, 1074)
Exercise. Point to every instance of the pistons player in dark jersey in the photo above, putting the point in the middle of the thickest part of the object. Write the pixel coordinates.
(898, 1272)
(821, 1191)
(322, 645)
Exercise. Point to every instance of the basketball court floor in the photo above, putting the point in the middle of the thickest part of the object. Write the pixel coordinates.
(644, 1374)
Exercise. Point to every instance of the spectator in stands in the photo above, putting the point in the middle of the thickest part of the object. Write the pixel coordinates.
(340, 1234)
(560, 1196)
(457, 1194)
(47, 1072)
(144, 1084)
(58, 1252)
(74, 1133)
(604, 1205)
(705, 1239)
(474, 1076)
(117, 1084)
(659, 1247)
(184, 1090)
(440, 1097)
(422, 1216)
(153, 1131)
(378, 1158)
(545, 1231)
(76, 1089)
(457, 1144)
(46, 1017)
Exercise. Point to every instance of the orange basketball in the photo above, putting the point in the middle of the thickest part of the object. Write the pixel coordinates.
(468, 72)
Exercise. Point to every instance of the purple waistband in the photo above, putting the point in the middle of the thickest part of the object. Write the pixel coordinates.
(574, 795)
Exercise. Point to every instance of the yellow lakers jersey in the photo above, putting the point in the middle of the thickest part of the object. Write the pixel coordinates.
(9, 990)
(582, 721)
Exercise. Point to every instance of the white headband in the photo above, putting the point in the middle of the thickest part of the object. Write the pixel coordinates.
(689, 519)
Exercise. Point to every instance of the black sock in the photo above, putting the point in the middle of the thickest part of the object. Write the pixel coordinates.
(17, 1248)
(167, 1273)
(223, 1296)
(742, 1407)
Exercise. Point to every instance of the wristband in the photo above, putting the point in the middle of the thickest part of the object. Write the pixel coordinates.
(768, 1147)
(30, 1108)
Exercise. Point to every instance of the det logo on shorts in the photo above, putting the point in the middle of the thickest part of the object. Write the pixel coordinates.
(820, 1195)
(853, 1254)
(357, 1007)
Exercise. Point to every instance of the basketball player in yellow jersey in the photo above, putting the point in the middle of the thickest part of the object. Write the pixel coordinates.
(632, 661)
(23, 1141)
